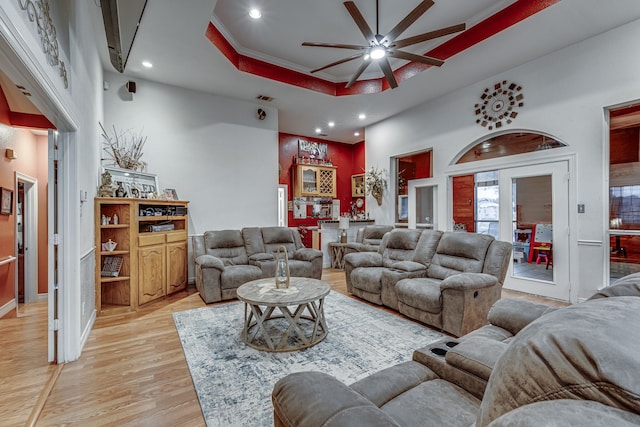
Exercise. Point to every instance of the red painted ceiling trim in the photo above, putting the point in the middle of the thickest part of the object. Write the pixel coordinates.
(509, 16)
(34, 121)
(624, 111)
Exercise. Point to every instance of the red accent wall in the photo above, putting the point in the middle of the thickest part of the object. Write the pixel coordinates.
(347, 158)
(32, 161)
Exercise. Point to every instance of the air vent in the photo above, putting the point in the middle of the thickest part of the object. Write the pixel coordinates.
(264, 98)
(322, 134)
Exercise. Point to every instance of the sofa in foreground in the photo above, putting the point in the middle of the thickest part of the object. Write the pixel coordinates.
(448, 280)
(531, 366)
(226, 259)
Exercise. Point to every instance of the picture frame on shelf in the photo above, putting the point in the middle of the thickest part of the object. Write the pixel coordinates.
(170, 194)
(145, 183)
(6, 201)
(357, 185)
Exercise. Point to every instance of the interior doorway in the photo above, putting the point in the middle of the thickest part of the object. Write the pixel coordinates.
(26, 241)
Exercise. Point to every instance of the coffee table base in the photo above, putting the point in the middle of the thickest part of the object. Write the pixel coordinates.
(265, 329)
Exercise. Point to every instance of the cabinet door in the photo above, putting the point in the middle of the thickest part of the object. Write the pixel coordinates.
(176, 266)
(152, 273)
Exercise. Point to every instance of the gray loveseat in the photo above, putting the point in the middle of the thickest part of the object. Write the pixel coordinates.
(445, 279)
(531, 366)
(226, 259)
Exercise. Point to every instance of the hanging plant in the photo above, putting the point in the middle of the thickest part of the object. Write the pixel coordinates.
(124, 148)
(375, 183)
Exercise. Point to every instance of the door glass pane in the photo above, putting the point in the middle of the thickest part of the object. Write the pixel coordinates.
(424, 207)
(625, 255)
(533, 228)
(487, 204)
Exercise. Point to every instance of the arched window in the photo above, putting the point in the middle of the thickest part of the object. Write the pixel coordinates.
(509, 144)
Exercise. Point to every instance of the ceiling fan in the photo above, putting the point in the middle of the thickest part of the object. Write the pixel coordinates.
(381, 47)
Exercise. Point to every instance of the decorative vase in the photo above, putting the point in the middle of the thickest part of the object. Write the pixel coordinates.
(378, 196)
(282, 268)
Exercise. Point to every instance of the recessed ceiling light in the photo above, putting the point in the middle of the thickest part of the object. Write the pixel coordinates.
(255, 13)
(331, 124)
(318, 130)
(362, 116)
(147, 64)
(356, 134)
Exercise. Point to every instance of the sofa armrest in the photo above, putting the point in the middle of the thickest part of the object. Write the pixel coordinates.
(209, 261)
(307, 254)
(361, 247)
(469, 281)
(514, 314)
(317, 399)
(408, 266)
(364, 259)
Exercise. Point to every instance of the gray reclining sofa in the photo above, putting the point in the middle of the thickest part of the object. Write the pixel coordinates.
(445, 279)
(226, 259)
(533, 365)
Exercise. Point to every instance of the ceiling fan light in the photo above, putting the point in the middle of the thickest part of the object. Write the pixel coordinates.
(255, 13)
(377, 52)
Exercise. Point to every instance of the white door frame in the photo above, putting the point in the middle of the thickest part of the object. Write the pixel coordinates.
(530, 159)
(439, 201)
(30, 224)
(559, 287)
(21, 64)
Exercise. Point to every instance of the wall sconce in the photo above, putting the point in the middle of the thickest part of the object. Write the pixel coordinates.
(10, 154)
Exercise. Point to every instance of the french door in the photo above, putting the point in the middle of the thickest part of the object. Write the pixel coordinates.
(534, 215)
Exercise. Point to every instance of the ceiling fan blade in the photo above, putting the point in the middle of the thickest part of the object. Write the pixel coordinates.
(430, 35)
(359, 71)
(360, 22)
(388, 72)
(408, 20)
(335, 45)
(342, 61)
(415, 58)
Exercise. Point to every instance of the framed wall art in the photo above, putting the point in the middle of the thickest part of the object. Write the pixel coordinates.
(6, 201)
(312, 150)
(133, 184)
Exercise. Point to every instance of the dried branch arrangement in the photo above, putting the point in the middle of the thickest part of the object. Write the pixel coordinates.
(124, 148)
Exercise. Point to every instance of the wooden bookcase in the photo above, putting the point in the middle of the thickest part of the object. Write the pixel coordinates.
(154, 257)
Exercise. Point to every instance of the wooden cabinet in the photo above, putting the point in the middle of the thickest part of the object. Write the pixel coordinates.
(315, 181)
(151, 237)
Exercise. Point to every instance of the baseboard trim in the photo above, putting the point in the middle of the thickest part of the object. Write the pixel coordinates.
(87, 330)
(6, 309)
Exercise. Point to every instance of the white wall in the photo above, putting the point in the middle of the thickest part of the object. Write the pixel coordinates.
(566, 93)
(212, 150)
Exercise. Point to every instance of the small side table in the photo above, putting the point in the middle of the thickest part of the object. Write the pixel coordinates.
(336, 252)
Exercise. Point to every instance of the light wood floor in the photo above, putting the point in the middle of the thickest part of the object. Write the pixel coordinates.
(132, 370)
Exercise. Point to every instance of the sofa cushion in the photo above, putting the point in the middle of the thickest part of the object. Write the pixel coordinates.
(387, 384)
(227, 245)
(459, 253)
(564, 412)
(423, 294)
(253, 240)
(236, 275)
(400, 246)
(426, 247)
(367, 279)
(626, 286)
(436, 403)
(587, 351)
(274, 237)
(476, 355)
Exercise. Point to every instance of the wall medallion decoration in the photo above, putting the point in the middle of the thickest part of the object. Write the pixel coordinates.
(498, 105)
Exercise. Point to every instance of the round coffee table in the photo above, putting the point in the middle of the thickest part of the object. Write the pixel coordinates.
(266, 329)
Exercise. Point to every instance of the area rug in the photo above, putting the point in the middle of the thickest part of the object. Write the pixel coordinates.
(234, 381)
